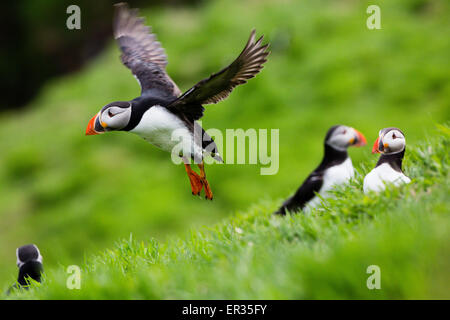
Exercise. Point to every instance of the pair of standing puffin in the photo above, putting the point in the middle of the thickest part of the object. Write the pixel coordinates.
(336, 167)
(161, 110)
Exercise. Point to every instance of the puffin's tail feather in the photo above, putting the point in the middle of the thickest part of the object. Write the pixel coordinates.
(217, 157)
(281, 211)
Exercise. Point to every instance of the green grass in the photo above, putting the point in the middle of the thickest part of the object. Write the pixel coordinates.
(320, 255)
(74, 195)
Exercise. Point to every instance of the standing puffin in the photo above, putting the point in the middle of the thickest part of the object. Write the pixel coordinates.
(29, 261)
(162, 110)
(336, 168)
(391, 144)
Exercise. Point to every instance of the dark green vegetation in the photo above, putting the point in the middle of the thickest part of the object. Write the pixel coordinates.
(322, 255)
(37, 37)
(73, 195)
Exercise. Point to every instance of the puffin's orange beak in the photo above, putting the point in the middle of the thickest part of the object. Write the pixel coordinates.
(361, 139)
(376, 148)
(90, 130)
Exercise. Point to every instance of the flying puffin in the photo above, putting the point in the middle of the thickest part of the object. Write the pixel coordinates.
(161, 110)
(336, 168)
(29, 261)
(391, 144)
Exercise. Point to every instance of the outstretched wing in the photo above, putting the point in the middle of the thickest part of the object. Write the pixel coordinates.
(304, 194)
(142, 53)
(219, 85)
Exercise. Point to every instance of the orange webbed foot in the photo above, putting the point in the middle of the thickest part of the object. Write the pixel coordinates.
(195, 180)
(205, 183)
(208, 192)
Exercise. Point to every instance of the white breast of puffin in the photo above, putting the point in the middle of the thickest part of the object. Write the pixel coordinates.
(333, 176)
(376, 179)
(157, 127)
(337, 175)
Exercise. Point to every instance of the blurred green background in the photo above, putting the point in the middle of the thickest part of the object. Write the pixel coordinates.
(71, 194)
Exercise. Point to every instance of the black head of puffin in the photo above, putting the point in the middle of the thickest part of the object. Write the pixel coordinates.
(114, 116)
(341, 137)
(29, 261)
(390, 140)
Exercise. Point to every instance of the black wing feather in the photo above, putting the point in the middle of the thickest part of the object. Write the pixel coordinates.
(304, 194)
(219, 85)
(142, 53)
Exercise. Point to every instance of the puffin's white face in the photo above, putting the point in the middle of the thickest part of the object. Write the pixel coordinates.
(390, 140)
(342, 137)
(114, 116)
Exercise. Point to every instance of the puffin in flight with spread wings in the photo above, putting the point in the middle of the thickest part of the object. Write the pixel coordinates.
(336, 168)
(161, 110)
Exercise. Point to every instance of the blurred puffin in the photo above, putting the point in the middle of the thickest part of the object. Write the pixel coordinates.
(391, 144)
(29, 261)
(162, 110)
(336, 168)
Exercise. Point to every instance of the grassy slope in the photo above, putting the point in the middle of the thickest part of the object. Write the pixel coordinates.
(73, 195)
(255, 255)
